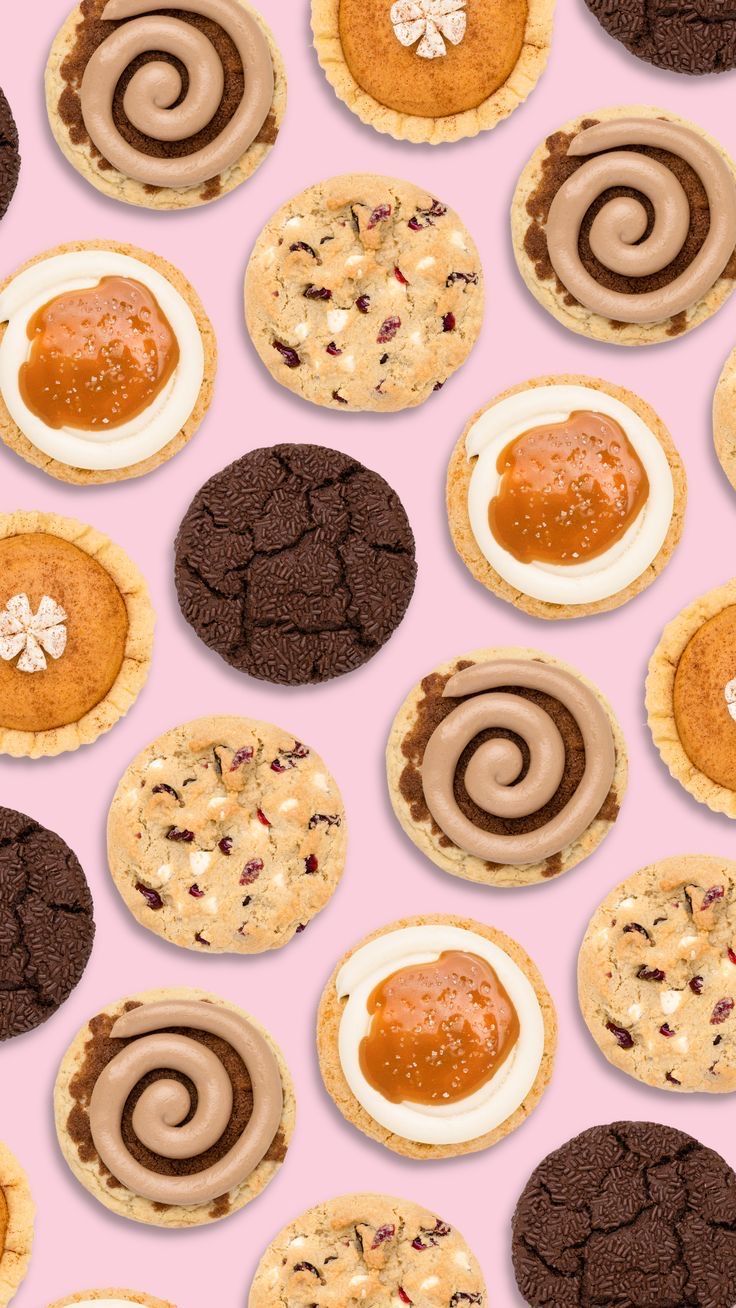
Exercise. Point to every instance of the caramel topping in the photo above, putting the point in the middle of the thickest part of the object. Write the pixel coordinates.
(569, 490)
(439, 1030)
(98, 357)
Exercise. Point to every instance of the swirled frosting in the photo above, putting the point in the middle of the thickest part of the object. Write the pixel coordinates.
(161, 104)
(622, 238)
(497, 778)
(164, 1119)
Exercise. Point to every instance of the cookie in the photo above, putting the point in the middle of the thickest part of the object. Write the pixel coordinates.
(170, 109)
(724, 425)
(295, 563)
(506, 766)
(657, 975)
(566, 496)
(76, 634)
(74, 406)
(364, 292)
(464, 1074)
(388, 1250)
(9, 156)
(226, 835)
(201, 1146)
(691, 698)
(109, 1299)
(582, 225)
(17, 1211)
(432, 70)
(628, 1213)
(694, 38)
(47, 928)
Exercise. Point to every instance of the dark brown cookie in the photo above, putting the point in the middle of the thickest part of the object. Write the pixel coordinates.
(9, 157)
(631, 1215)
(46, 925)
(696, 36)
(295, 563)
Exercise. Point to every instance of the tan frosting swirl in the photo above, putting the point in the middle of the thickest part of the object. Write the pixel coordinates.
(492, 776)
(152, 95)
(618, 228)
(166, 1103)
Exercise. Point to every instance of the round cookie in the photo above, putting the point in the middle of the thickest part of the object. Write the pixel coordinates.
(185, 131)
(485, 457)
(582, 232)
(448, 962)
(47, 925)
(17, 1211)
(657, 975)
(492, 809)
(724, 425)
(696, 39)
(108, 1116)
(109, 1299)
(295, 563)
(379, 299)
(624, 1214)
(226, 835)
(76, 634)
(393, 1249)
(9, 156)
(426, 72)
(187, 392)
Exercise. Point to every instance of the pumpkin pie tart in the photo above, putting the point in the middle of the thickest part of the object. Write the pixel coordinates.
(76, 633)
(432, 70)
(16, 1225)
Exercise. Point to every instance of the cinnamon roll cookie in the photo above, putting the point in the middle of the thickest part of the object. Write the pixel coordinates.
(506, 766)
(174, 1107)
(17, 1211)
(165, 109)
(624, 225)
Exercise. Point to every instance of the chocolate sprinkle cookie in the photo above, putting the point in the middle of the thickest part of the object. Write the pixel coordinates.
(46, 925)
(9, 156)
(295, 563)
(629, 1215)
(694, 36)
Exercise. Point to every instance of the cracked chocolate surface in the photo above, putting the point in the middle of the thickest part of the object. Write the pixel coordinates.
(295, 563)
(628, 1215)
(695, 36)
(9, 156)
(46, 925)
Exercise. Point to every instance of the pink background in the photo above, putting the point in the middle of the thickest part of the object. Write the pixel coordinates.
(79, 1245)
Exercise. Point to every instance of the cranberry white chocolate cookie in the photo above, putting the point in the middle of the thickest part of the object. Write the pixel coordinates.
(364, 292)
(565, 496)
(724, 419)
(165, 109)
(174, 1108)
(506, 767)
(226, 835)
(109, 1299)
(436, 1036)
(624, 225)
(369, 1249)
(17, 1211)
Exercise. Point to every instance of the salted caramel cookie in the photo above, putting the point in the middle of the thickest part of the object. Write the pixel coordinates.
(691, 698)
(226, 835)
(202, 1144)
(696, 37)
(17, 1211)
(76, 634)
(566, 496)
(482, 1002)
(165, 109)
(9, 156)
(432, 70)
(506, 766)
(109, 1299)
(627, 1213)
(364, 292)
(624, 225)
(387, 1250)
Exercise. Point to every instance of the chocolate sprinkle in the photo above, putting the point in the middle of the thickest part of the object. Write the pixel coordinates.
(9, 156)
(689, 36)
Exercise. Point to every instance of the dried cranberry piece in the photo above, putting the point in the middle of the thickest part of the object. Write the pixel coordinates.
(311, 863)
(262, 817)
(251, 872)
(152, 897)
(339, 399)
(710, 897)
(672, 1079)
(200, 939)
(363, 303)
(415, 224)
(289, 356)
(240, 756)
(195, 892)
(731, 954)
(225, 845)
(463, 1296)
(623, 1037)
(448, 322)
(666, 1030)
(307, 1267)
(302, 927)
(438, 386)
(636, 926)
(334, 350)
(650, 973)
(180, 834)
(330, 820)
(379, 215)
(403, 281)
(383, 1234)
(317, 293)
(277, 766)
(436, 210)
(163, 789)
(439, 1230)
(721, 1011)
(470, 279)
(302, 245)
(696, 985)
(389, 328)
(403, 1295)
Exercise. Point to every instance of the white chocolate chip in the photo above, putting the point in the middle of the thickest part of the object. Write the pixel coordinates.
(199, 861)
(682, 1044)
(670, 1000)
(336, 319)
(426, 263)
(319, 781)
(635, 1012)
(301, 331)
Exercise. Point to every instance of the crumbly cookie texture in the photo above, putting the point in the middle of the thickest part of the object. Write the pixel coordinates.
(384, 1250)
(548, 290)
(14, 438)
(125, 1296)
(657, 975)
(17, 1211)
(83, 156)
(426, 835)
(364, 292)
(72, 1120)
(724, 418)
(453, 127)
(328, 1029)
(459, 474)
(227, 834)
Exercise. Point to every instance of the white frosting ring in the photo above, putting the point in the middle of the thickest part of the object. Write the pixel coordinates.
(626, 560)
(494, 1102)
(160, 422)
